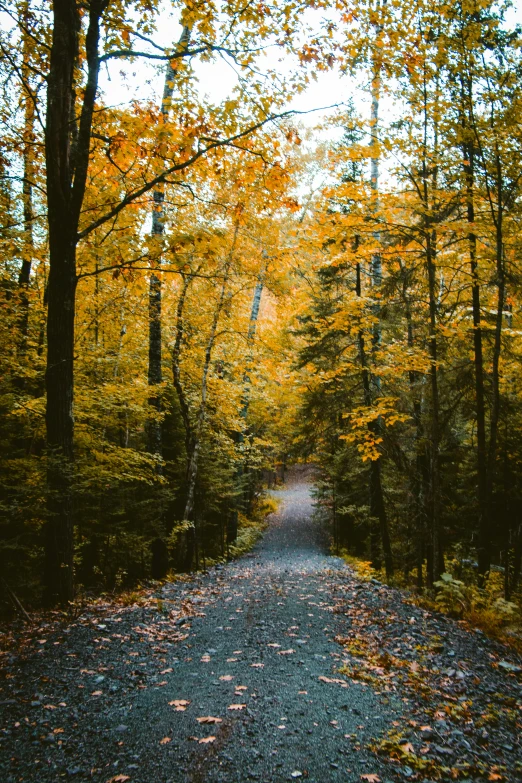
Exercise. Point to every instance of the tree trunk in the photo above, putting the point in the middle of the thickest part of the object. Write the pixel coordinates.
(433, 543)
(66, 171)
(379, 535)
(484, 542)
(193, 462)
(154, 429)
(434, 554)
(252, 324)
(61, 305)
(478, 360)
(418, 479)
(377, 505)
(155, 375)
(27, 189)
(176, 366)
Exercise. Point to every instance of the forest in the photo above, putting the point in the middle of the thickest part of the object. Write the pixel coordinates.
(196, 293)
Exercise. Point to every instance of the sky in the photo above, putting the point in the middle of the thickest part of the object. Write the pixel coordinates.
(218, 78)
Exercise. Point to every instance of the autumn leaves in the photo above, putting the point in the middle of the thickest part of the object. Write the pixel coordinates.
(181, 705)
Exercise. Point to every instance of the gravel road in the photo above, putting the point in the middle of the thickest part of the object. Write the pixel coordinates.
(255, 648)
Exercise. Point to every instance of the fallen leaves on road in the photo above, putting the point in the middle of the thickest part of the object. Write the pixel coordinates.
(119, 779)
(371, 778)
(226, 677)
(165, 740)
(286, 652)
(236, 706)
(336, 680)
(206, 740)
(209, 719)
(180, 705)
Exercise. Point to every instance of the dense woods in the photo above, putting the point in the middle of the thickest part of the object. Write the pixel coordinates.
(193, 293)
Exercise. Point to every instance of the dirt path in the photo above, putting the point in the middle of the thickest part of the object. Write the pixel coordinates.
(116, 696)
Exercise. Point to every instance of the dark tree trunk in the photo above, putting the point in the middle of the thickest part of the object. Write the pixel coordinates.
(379, 534)
(155, 374)
(484, 539)
(155, 444)
(433, 546)
(66, 167)
(478, 360)
(418, 479)
(197, 433)
(61, 305)
(232, 525)
(27, 190)
(377, 505)
(434, 553)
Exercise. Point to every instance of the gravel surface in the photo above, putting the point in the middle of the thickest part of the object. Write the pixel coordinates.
(299, 670)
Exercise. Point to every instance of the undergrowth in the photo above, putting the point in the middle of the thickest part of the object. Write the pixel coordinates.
(460, 598)
(251, 528)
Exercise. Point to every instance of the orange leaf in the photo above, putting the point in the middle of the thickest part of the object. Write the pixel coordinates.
(371, 778)
(209, 719)
(165, 740)
(180, 705)
(236, 706)
(205, 740)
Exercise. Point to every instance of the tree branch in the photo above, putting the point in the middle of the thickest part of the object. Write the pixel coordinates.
(133, 196)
